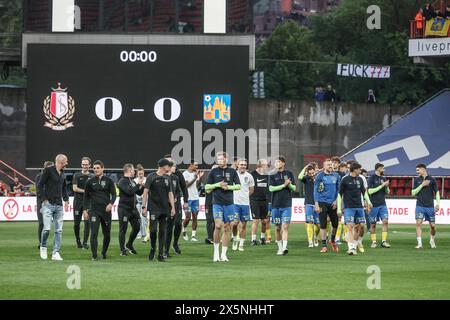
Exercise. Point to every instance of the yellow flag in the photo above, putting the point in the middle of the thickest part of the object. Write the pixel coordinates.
(437, 27)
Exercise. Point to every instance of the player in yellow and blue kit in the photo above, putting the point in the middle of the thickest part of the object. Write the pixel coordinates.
(311, 217)
(425, 188)
(378, 188)
(281, 185)
(326, 187)
(222, 181)
(351, 190)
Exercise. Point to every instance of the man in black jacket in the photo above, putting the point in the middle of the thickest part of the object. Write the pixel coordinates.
(78, 184)
(50, 189)
(178, 217)
(39, 202)
(159, 196)
(175, 220)
(99, 198)
(127, 209)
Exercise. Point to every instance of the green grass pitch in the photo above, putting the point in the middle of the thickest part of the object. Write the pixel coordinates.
(257, 273)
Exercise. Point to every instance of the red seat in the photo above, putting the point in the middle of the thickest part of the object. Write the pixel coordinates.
(394, 183)
(399, 192)
(447, 183)
(407, 192)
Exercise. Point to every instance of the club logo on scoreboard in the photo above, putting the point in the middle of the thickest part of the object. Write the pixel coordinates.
(216, 108)
(59, 109)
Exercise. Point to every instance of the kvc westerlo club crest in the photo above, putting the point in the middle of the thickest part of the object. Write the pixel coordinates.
(59, 109)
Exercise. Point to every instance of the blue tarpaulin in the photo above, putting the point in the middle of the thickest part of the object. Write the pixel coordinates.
(420, 136)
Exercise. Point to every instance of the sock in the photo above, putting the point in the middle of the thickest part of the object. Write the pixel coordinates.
(309, 231)
(268, 231)
(182, 228)
(216, 249)
(234, 238)
(383, 236)
(339, 231)
(241, 242)
(263, 236)
(316, 230)
(431, 237)
(333, 238)
(419, 241)
(324, 243)
(360, 241)
(345, 229)
(373, 237)
(224, 251)
(253, 237)
(193, 233)
(285, 244)
(280, 245)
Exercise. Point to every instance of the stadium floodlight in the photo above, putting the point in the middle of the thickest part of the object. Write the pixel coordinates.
(214, 16)
(63, 15)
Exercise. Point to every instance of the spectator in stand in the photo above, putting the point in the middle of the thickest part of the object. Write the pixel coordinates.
(330, 94)
(371, 97)
(16, 187)
(3, 189)
(419, 19)
(438, 14)
(319, 96)
(428, 11)
(447, 12)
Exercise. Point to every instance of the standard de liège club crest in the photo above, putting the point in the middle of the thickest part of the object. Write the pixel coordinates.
(59, 109)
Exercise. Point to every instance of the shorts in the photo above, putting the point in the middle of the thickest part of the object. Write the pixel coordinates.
(260, 210)
(354, 215)
(193, 206)
(425, 213)
(378, 214)
(281, 215)
(224, 213)
(311, 215)
(326, 210)
(242, 212)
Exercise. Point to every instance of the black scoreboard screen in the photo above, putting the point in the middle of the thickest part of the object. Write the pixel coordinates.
(133, 103)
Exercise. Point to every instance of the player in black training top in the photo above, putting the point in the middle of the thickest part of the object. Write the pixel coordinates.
(78, 184)
(378, 189)
(259, 200)
(351, 191)
(99, 198)
(127, 211)
(306, 176)
(425, 189)
(281, 185)
(221, 182)
(160, 202)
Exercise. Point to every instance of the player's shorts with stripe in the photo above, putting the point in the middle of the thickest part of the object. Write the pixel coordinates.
(425, 213)
(354, 215)
(242, 212)
(224, 213)
(281, 215)
(378, 214)
(311, 216)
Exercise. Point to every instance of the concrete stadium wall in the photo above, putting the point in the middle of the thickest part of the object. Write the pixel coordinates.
(12, 128)
(305, 127)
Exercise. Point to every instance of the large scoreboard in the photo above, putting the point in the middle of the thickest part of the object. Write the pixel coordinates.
(133, 103)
